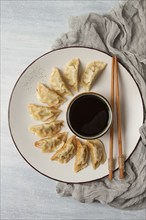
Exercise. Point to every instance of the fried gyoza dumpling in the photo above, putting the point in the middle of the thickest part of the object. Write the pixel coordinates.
(47, 129)
(71, 72)
(97, 151)
(66, 153)
(91, 73)
(43, 113)
(50, 144)
(48, 96)
(82, 155)
(57, 83)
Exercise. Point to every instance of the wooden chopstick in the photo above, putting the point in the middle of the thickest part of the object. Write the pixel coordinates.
(119, 126)
(114, 74)
(110, 160)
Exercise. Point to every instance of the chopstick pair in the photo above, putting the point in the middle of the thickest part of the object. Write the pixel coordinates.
(114, 78)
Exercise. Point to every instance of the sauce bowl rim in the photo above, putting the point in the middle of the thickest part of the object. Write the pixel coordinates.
(109, 112)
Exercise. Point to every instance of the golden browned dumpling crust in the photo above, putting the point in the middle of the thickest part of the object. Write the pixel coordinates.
(82, 155)
(97, 151)
(71, 73)
(48, 96)
(43, 113)
(91, 73)
(49, 145)
(47, 129)
(57, 83)
(67, 152)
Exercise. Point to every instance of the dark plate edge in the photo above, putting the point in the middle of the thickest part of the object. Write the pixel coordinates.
(10, 105)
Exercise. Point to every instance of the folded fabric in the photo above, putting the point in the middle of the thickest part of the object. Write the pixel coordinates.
(122, 33)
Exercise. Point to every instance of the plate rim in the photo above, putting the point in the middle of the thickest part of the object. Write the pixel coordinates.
(9, 107)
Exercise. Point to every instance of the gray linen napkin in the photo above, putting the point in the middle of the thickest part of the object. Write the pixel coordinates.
(122, 33)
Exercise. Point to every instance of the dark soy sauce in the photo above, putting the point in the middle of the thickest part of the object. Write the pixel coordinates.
(88, 115)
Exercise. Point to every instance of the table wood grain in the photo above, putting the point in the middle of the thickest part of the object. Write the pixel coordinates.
(28, 30)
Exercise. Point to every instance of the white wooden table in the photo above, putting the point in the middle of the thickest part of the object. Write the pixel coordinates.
(29, 28)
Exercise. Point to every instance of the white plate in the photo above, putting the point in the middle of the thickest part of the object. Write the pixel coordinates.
(24, 93)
